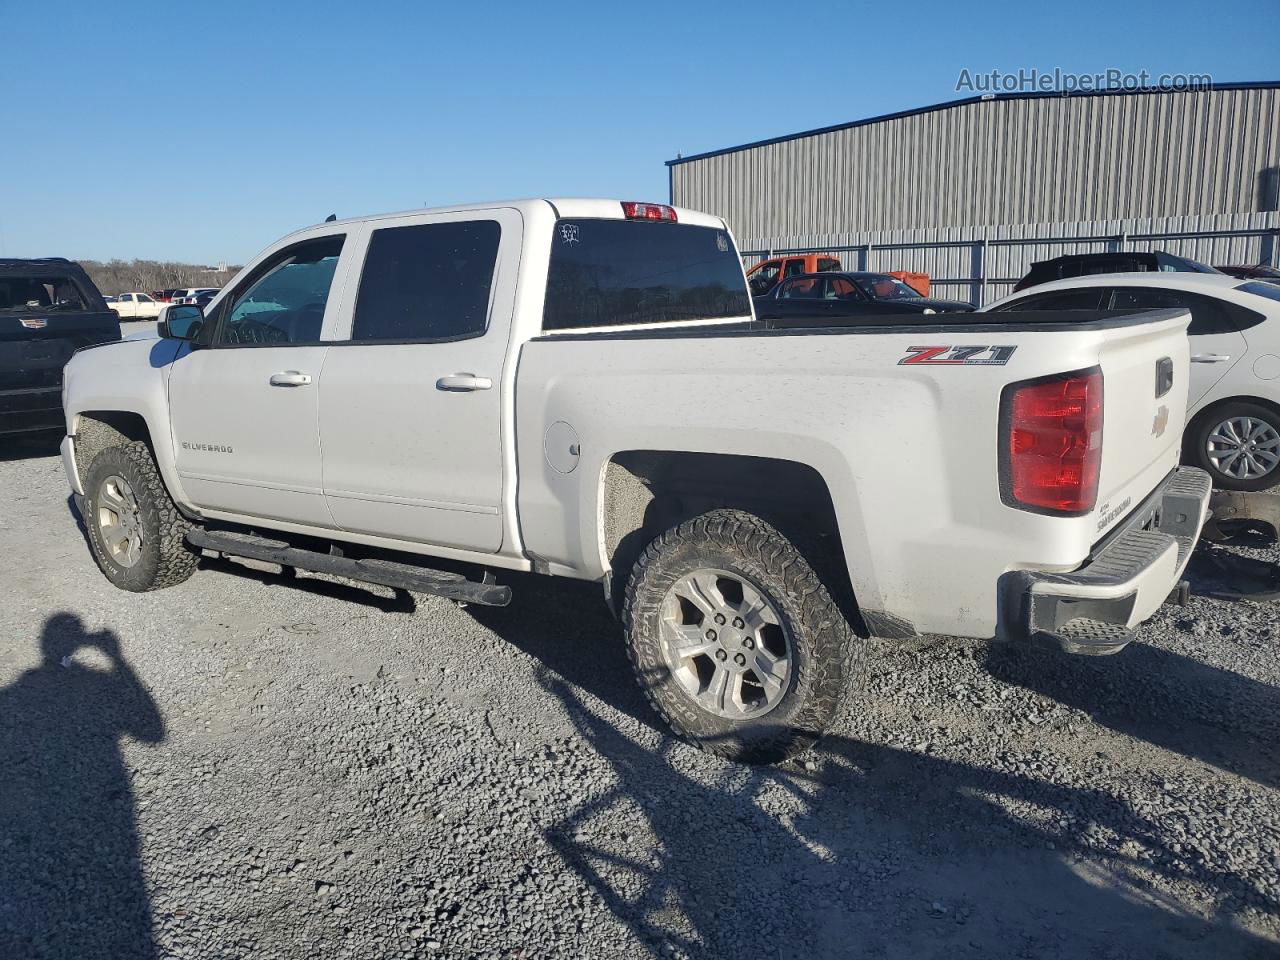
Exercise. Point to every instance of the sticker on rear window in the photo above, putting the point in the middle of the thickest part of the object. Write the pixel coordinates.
(722, 242)
(569, 232)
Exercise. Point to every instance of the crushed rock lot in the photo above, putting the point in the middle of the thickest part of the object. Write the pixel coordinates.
(244, 766)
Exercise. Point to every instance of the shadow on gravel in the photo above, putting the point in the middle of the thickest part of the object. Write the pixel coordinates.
(29, 446)
(880, 853)
(71, 879)
(1167, 699)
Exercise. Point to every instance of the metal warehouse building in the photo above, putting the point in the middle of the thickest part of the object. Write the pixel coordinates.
(974, 190)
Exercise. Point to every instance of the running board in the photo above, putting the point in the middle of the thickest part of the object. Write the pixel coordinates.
(403, 576)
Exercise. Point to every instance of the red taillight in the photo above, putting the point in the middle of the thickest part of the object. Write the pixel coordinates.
(648, 211)
(1053, 443)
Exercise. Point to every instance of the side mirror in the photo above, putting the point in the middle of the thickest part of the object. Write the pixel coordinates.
(180, 321)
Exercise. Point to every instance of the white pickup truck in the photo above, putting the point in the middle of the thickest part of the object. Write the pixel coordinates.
(579, 388)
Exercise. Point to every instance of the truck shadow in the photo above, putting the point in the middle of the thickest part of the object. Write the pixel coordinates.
(878, 852)
(71, 878)
(1167, 699)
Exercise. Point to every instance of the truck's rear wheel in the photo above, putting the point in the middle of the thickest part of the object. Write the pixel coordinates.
(137, 535)
(735, 640)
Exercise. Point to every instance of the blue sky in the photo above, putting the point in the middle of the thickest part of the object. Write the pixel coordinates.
(203, 132)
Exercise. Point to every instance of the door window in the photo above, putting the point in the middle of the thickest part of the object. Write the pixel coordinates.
(842, 288)
(1207, 314)
(143, 298)
(429, 281)
(764, 279)
(1086, 299)
(793, 268)
(805, 288)
(283, 301)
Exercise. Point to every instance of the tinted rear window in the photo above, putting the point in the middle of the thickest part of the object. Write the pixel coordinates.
(616, 272)
(41, 292)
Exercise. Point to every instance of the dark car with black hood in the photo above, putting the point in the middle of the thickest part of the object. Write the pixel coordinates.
(49, 309)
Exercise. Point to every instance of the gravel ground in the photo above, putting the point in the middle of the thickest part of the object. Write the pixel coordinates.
(247, 766)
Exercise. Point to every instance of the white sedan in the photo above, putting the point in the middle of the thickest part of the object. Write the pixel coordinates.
(1233, 407)
(135, 306)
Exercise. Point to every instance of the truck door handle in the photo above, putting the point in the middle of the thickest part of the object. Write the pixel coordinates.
(290, 378)
(1209, 358)
(463, 383)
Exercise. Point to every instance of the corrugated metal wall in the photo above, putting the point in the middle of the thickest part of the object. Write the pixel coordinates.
(981, 264)
(1076, 166)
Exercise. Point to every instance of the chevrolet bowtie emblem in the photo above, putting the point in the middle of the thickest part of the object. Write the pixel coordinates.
(1161, 421)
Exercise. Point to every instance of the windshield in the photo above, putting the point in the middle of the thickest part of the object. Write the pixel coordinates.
(886, 288)
(614, 272)
(43, 293)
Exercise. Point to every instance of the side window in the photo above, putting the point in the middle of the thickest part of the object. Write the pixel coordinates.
(143, 298)
(427, 282)
(283, 301)
(793, 268)
(1207, 314)
(827, 263)
(764, 279)
(841, 288)
(805, 289)
(1086, 299)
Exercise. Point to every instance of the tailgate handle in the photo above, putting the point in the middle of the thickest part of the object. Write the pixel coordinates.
(1209, 358)
(463, 383)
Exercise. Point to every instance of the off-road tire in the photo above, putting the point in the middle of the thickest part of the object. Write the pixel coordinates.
(166, 559)
(829, 656)
(1197, 444)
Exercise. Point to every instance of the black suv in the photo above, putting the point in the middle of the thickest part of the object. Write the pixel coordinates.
(1087, 264)
(48, 309)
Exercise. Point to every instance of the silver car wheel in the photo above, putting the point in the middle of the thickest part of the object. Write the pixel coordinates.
(1245, 448)
(119, 521)
(726, 644)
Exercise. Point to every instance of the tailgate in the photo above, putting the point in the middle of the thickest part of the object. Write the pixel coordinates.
(35, 346)
(1145, 374)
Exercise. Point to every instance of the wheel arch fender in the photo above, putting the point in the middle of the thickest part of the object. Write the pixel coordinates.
(642, 492)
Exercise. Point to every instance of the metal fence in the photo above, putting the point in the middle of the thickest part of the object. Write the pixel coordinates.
(982, 265)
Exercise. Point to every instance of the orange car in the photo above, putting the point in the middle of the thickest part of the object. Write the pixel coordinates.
(767, 274)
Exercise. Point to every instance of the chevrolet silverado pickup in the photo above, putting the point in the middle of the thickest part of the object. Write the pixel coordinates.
(579, 388)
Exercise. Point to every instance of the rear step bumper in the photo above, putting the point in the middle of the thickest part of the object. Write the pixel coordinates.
(1095, 609)
(404, 576)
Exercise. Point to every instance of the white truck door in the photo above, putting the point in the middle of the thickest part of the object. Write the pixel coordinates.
(411, 403)
(1216, 344)
(245, 407)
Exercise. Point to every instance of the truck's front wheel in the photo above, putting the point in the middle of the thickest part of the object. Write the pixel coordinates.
(736, 641)
(137, 535)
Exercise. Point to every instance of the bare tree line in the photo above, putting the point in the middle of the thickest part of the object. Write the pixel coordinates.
(123, 276)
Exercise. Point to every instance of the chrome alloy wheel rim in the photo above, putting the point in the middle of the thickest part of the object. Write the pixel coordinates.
(119, 521)
(726, 644)
(1245, 448)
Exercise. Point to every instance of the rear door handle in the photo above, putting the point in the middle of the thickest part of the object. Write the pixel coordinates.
(290, 378)
(1209, 358)
(463, 383)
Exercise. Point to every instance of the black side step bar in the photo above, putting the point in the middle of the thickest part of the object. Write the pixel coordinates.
(403, 576)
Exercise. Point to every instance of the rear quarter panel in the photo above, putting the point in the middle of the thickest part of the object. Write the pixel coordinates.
(908, 452)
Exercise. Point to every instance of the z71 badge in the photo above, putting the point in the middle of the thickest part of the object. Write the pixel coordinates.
(985, 356)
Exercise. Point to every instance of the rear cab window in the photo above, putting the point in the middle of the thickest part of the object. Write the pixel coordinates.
(610, 273)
